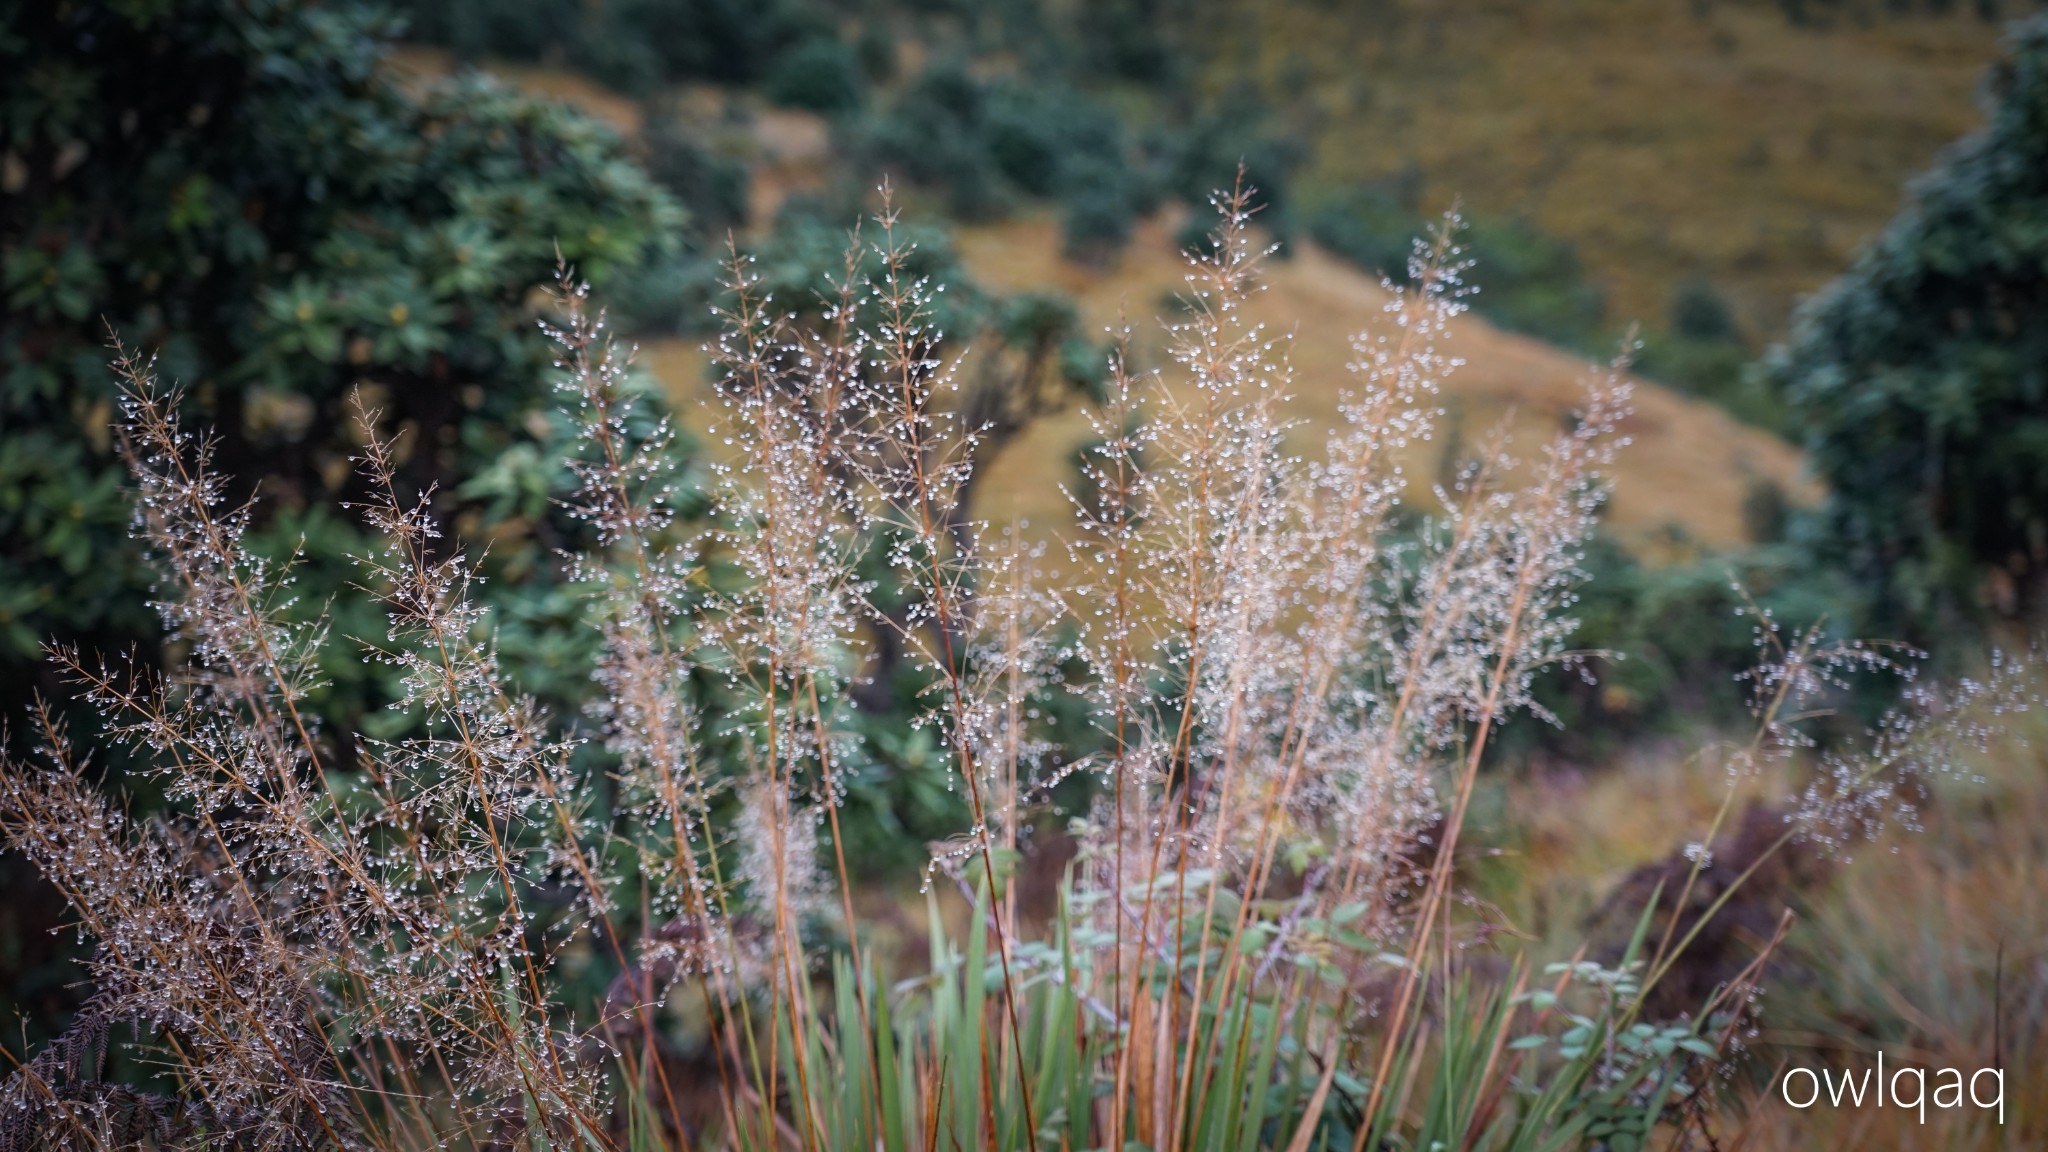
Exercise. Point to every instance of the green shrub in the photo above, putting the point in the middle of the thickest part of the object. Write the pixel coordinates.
(1029, 134)
(1235, 139)
(876, 49)
(1368, 226)
(711, 186)
(1918, 377)
(1702, 352)
(1128, 39)
(1521, 279)
(1533, 282)
(934, 135)
(514, 29)
(1698, 312)
(628, 44)
(985, 144)
(251, 194)
(822, 74)
(1674, 639)
(1716, 370)
(1100, 212)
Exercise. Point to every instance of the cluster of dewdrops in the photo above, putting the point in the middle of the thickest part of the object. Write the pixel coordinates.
(1324, 662)
(1862, 783)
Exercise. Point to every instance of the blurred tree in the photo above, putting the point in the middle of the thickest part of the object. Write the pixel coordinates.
(822, 74)
(1235, 139)
(1371, 227)
(1920, 377)
(240, 186)
(935, 135)
(1698, 312)
(1531, 281)
(1128, 39)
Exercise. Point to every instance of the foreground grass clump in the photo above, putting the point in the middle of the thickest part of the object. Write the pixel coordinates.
(1292, 677)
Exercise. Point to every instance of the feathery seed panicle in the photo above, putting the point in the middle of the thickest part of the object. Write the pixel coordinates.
(1864, 781)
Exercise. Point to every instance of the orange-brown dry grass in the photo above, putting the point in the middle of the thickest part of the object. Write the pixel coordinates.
(1914, 946)
(1576, 836)
(1926, 941)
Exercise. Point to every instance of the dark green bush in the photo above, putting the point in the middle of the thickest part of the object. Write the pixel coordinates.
(710, 185)
(1920, 377)
(1100, 210)
(239, 187)
(1667, 644)
(1370, 227)
(1236, 139)
(600, 46)
(934, 134)
(1029, 134)
(1522, 278)
(1717, 370)
(1532, 282)
(822, 74)
(1128, 39)
(511, 29)
(984, 143)
(876, 49)
(1698, 312)
(1702, 352)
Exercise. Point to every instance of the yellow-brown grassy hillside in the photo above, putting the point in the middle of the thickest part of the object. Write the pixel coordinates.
(1690, 465)
(1665, 138)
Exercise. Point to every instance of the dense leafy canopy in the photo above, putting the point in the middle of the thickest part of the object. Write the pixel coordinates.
(1921, 376)
(240, 186)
